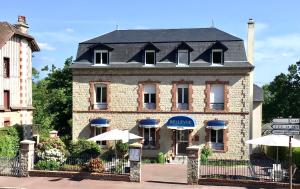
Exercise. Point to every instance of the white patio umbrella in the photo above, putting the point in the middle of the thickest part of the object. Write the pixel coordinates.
(115, 134)
(274, 140)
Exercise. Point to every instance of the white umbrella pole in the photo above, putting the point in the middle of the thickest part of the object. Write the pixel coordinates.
(277, 154)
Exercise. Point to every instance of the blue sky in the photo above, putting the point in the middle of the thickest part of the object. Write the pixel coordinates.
(59, 26)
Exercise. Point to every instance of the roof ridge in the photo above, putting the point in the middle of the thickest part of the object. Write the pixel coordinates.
(148, 29)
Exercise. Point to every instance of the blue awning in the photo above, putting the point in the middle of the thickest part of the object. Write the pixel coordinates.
(148, 123)
(181, 123)
(216, 124)
(100, 122)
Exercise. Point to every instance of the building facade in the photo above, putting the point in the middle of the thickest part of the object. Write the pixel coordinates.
(16, 48)
(174, 87)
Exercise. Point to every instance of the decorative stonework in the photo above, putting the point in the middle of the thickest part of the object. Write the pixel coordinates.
(174, 95)
(207, 96)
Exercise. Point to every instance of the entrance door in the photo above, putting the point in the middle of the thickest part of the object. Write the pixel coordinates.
(182, 137)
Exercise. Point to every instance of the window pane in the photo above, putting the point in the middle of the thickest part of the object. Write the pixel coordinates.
(153, 98)
(217, 96)
(152, 136)
(146, 136)
(146, 98)
(217, 57)
(150, 57)
(183, 57)
(213, 135)
(179, 92)
(98, 94)
(186, 95)
(6, 67)
(104, 58)
(98, 58)
(220, 136)
(104, 94)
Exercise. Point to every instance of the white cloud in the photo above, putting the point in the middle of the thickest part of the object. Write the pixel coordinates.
(70, 30)
(274, 54)
(46, 46)
(259, 27)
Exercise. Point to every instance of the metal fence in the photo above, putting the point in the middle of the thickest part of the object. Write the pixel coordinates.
(82, 164)
(9, 166)
(262, 170)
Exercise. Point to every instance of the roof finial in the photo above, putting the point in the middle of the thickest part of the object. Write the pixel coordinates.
(117, 27)
(212, 23)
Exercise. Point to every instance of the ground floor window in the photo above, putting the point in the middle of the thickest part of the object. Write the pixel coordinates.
(98, 131)
(217, 139)
(149, 138)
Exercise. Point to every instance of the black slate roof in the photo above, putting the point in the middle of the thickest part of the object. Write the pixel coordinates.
(164, 35)
(128, 47)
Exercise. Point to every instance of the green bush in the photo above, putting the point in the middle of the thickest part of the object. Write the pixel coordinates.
(296, 156)
(205, 153)
(161, 157)
(84, 148)
(47, 165)
(108, 154)
(10, 138)
(122, 149)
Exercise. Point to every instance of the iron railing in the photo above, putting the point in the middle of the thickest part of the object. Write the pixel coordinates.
(9, 166)
(262, 170)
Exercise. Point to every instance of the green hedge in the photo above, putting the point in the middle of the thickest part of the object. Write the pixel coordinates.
(84, 148)
(283, 154)
(10, 138)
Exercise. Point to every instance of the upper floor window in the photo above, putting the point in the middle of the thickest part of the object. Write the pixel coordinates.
(217, 96)
(217, 56)
(150, 57)
(182, 96)
(101, 57)
(149, 96)
(6, 62)
(101, 96)
(183, 57)
(6, 100)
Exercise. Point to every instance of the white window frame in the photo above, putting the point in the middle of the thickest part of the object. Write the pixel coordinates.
(100, 105)
(223, 94)
(150, 51)
(212, 57)
(149, 146)
(101, 132)
(101, 52)
(182, 105)
(188, 54)
(148, 105)
(215, 144)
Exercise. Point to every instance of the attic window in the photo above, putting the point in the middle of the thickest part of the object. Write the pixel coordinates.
(101, 57)
(217, 56)
(183, 57)
(149, 57)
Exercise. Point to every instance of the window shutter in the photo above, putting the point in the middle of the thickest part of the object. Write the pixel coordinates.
(217, 93)
(157, 137)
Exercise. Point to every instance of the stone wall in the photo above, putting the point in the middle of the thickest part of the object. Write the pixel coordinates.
(123, 112)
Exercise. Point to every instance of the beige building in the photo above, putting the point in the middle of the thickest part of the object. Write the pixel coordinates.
(174, 87)
(16, 48)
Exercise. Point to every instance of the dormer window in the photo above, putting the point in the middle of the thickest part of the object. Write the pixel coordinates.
(150, 57)
(101, 57)
(217, 56)
(183, 57)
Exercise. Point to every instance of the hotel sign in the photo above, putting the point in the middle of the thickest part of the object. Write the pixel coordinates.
(181, 121)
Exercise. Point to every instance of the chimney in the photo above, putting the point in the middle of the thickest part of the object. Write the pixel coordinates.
(22, 25)
(250, 41)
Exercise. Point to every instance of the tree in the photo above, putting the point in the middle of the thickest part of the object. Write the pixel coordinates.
(52, 99)
(282, 95)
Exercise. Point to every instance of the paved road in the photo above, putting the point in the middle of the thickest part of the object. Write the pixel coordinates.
(154, 176)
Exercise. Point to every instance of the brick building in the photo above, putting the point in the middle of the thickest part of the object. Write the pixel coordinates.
(16, 48)
(174, 87)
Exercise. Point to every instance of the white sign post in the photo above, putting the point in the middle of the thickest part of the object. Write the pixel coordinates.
(290, 127)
